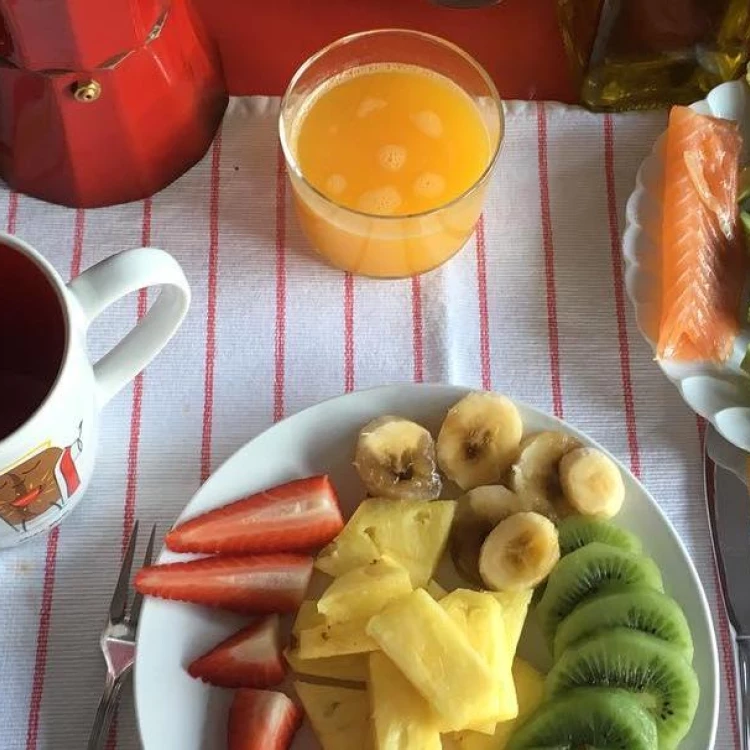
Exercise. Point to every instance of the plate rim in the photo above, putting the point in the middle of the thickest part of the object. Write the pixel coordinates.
(385, 390)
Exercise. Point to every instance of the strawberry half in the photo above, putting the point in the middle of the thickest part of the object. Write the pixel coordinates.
(249, 658)
(262, 720)
(260, 584)
(293, 517)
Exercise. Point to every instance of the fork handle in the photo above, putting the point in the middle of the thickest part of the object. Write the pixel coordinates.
(105, 712)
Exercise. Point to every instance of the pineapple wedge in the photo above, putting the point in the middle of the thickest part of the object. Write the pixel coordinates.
(364, 591)
(352, 667)
(339, 715)
(335, 640)
(401, 718)
(481, 617)
(530, 691)
(413, 533)
(437, 658)
(435, 590)
(307, 617)
(515, 606)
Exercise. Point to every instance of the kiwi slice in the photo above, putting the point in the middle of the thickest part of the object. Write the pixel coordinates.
(654, 671)
(588, 571)
(599, 718)
(578, 531)
(639, 609)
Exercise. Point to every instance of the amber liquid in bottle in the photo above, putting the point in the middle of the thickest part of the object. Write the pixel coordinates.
(632, 54)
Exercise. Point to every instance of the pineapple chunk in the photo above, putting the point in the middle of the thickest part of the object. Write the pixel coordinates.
(339, 715)
(352, 667)
(530, 691)
(481, 617)
(437, 658)
(335, 640)
(363, 592)
(402, 719)
(413, 533)
(307, 617)
(515, 606)
(435, 590)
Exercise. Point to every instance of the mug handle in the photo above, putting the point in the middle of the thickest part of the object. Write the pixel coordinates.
(115, 277)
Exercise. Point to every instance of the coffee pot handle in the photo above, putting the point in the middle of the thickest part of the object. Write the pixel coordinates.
(115, 277)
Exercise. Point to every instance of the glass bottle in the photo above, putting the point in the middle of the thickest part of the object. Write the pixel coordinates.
(631, 54)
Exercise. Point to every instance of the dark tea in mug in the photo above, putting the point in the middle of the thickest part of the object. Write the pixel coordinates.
(32, 338)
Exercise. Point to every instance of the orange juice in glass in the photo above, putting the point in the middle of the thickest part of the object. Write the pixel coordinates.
(390, 139)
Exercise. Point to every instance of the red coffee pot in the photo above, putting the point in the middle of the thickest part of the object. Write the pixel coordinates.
(104, 102)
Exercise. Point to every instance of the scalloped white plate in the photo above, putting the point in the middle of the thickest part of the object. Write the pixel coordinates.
(721, 394)
(176, 712)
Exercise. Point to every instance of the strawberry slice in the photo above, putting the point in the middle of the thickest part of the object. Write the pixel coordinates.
(249, 658)
(262, 720)
(260, 584)
(293, 517)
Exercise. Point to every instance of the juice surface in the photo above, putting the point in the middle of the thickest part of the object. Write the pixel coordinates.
(391, 140)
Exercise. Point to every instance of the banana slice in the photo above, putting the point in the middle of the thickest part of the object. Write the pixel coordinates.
(396, 458)
(592, 483)
(479, 439)
(519, 553)
(477, 513)
(535, 474)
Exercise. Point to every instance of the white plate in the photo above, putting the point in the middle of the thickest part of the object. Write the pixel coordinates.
(721, 394)
(176, 712)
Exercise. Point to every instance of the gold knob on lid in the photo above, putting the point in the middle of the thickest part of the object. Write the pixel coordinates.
(87, 91)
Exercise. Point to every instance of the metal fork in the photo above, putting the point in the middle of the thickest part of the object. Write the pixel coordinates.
(118, 641)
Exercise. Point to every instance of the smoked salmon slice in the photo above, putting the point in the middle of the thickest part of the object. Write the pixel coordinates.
(703, 260)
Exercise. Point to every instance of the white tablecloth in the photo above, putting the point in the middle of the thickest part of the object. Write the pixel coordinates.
(534, 307)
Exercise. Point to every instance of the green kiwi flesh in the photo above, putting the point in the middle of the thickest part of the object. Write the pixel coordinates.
(577, 531)
(588, 571)
(655, 672)
(638, 609)
(597, 718)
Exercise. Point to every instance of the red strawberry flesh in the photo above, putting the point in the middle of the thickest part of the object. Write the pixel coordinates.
(248, 584)
(249, 658)
(293, 517)
(262, 720)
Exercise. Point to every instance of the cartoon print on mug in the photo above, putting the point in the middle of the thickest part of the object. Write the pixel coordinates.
(44, 479)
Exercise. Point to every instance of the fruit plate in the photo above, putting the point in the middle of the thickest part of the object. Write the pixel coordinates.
(720, 394)
(176, 712)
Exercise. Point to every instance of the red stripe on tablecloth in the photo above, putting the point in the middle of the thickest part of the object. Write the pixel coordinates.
(549, 263)
(280, 338)
(45, 615)
(348, 333)
(50, 561)
(727, 653)
(484, 318)
(75, 262)
(12, 212)
(131, 484)
(213, 276)
(417, 329)
(622, 330)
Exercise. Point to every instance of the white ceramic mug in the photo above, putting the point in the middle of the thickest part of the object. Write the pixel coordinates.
(50, 392)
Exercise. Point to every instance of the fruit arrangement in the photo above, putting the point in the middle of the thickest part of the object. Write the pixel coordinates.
(412, 641)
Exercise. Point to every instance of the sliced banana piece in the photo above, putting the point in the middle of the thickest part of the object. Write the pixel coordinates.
(477, 513)
(519, 552)
(396, 458)
(479, 439)
(592, 483)
(535, 475)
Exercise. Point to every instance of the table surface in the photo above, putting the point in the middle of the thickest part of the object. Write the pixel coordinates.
(533, 306)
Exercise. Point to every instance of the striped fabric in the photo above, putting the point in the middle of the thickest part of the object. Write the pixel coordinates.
(534, 307)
